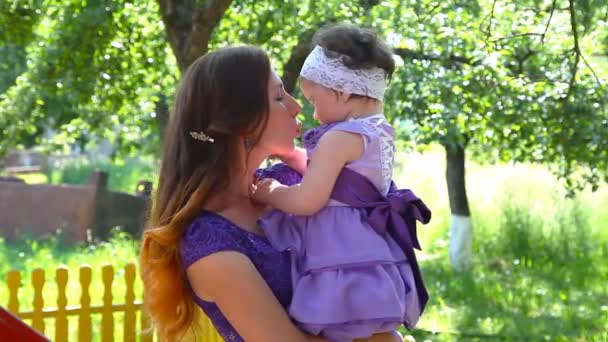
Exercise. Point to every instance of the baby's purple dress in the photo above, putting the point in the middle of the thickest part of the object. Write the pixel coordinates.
(210, 233)
(349, 281)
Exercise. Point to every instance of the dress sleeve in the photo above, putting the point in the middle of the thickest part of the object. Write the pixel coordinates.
(280, 172)
(208, 235)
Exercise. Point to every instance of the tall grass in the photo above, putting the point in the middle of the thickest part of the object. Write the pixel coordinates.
(540, 259)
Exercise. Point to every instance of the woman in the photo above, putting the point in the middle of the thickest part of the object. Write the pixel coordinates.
(204, 246)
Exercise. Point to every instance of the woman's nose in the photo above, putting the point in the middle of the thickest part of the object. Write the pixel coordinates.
(296, 106)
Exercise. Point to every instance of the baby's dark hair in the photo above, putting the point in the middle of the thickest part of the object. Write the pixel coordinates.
(363, 49)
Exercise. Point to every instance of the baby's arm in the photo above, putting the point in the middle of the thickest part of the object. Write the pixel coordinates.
(296, 160)
(334, 150)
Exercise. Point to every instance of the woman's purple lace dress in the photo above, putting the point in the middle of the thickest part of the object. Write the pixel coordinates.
(210, 233)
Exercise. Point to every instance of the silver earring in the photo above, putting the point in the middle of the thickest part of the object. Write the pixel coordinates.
(248, 144)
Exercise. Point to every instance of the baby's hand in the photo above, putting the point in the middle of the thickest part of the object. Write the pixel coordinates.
(262, 190)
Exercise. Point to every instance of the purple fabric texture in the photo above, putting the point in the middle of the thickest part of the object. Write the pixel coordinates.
(353, 275)
(211, 233)
(375, 133)
(395, 214)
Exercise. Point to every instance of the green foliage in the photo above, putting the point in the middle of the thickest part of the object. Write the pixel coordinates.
(94, 69)
(486, 76)
(51, 252)
(17, 20)
(539, 261)
(536, 276)
(505, 79)
(123, 174)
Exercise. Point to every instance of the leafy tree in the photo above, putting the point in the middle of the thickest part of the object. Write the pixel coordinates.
(499, 80)
(505, 81)
(91, 69)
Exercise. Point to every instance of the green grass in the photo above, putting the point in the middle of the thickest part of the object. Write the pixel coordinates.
(29, 254)
(123, 174)
(541, 260)
(540, 263)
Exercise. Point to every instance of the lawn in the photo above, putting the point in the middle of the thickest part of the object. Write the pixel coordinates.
(540, 263)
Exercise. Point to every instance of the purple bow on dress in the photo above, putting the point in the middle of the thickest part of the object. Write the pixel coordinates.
(396, 214)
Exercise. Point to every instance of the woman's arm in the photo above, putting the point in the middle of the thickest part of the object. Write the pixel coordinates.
(334, 150)
(231, 281)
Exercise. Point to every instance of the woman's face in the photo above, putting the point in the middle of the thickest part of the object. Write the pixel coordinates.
(282, 127)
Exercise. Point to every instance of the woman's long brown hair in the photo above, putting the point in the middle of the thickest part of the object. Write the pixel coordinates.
(225, 95)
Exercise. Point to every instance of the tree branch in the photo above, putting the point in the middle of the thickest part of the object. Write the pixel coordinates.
(368, 4)
(539, 11)
(428, 14)
(177, 17)
(489, 18)
(518, 35)
(206, 20)
(576, 49)
(449, 61)
(597, 79)
(291, 69)
(542, 38)
(189, 27)
(521, 60)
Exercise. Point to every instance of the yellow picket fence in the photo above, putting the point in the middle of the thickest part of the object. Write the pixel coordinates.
(85, 310)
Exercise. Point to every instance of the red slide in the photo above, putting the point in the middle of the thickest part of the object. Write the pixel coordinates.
(14, 329)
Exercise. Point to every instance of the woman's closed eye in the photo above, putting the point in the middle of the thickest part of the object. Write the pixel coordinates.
(281, 95)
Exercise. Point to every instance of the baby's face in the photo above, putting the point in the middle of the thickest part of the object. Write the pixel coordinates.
(329, 105)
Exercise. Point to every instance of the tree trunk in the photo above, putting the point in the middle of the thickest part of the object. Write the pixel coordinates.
(189, 26)
(162, 115)
(291, 69)
(461, 234)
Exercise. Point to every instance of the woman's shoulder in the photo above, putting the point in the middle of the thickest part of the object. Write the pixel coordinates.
(209, 233)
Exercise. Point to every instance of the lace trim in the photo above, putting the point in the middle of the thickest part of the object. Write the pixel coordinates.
(375, 125)
(332, 73)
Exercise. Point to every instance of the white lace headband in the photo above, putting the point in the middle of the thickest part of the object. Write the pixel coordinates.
(332, 73)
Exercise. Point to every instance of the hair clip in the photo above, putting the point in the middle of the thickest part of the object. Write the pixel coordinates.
(201, 136)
